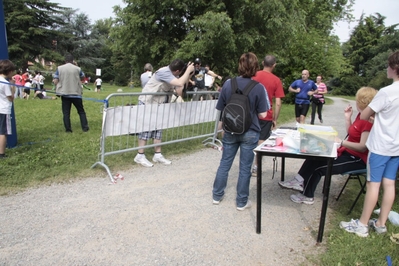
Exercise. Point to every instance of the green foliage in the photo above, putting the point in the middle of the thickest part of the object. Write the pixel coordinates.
(81, 40)
(29, 29)
(218, 32)
(367, 50)
(204, 38)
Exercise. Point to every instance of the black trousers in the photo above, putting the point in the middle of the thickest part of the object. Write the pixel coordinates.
(319, 107)
(66, 111)
(313, 170)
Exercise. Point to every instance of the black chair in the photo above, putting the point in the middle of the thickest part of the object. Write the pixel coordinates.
(358, 174)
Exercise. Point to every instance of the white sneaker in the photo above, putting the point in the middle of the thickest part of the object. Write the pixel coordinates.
(143, 161)
(378, 229)
(216, 202)
(161, 159)
(254, 171)
(300, 198)
(354, 227)
(247, 206)
(292, 184)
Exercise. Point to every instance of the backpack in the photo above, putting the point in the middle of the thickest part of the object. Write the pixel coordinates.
(236, 117)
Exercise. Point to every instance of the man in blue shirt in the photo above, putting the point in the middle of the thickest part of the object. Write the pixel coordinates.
(304, 88)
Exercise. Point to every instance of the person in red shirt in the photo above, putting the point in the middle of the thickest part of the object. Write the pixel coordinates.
(352, 153)
(17, 78)
(274, 89)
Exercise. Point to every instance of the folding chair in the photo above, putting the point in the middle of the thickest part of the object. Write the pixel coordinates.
(355, 175)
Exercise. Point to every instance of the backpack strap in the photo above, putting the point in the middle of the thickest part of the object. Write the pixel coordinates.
(251, 84)
(234, 87)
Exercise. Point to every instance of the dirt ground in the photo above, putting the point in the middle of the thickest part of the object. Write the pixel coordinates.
(164, 216)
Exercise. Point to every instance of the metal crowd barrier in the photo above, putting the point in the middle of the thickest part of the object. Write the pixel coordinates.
(180, 120)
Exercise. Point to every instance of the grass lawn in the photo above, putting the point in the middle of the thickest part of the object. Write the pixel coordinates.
(46, 154)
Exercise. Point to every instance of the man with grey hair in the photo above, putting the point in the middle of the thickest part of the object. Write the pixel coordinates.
(145, 77)
(68, 81)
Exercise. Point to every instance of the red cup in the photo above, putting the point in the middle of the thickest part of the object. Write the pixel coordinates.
(279, 141)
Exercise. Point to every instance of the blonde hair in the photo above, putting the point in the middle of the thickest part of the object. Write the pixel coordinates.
(364, 96)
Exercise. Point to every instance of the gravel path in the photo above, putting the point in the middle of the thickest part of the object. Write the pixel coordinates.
(163, 216)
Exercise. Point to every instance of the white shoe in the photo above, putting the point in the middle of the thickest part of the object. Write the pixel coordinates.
(254, 171)
(292, 184)
(161, 159)
(354, 227)
(216, 202)
(247, 206)
(143, 161)
(300, 198)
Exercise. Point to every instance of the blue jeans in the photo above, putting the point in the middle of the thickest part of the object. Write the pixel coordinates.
(247, 142)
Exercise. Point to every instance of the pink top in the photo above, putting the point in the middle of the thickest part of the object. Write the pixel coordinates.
(18, 79)
(322, 88)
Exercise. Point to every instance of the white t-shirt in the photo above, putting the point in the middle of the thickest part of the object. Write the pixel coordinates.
(384, 135)
(5, 90)
(209, 80)
(41, 79)
(98, 82)
(145, 77)
(35, 80)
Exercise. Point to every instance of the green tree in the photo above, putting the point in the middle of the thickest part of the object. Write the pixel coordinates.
(29, 29)
(367, 50)
(101, 32)
(220, 31)
(364, 38)
(79, 39)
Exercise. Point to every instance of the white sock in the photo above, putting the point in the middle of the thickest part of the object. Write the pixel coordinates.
(360, 223)
(157, 154)
(299, 178)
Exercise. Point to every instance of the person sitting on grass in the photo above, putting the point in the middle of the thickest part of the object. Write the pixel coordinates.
(352, 153)
(42, 95)
(383, 161)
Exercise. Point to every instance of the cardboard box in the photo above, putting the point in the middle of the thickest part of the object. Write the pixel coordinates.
(317, 139)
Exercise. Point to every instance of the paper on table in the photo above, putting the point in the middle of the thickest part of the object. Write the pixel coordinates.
(281, 132)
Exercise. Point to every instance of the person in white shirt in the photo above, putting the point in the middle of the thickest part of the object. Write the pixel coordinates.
(41, 80)
(145, 77)
(383, 159)
(98, 82)
(27, 87)
(209, 80)
(7, 69)
(35, 81)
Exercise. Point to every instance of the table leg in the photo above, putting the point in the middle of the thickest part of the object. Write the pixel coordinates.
(282, 168)
(259, 193)
(326, 189)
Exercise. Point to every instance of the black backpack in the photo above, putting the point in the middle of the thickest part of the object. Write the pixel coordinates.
(236, 117)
